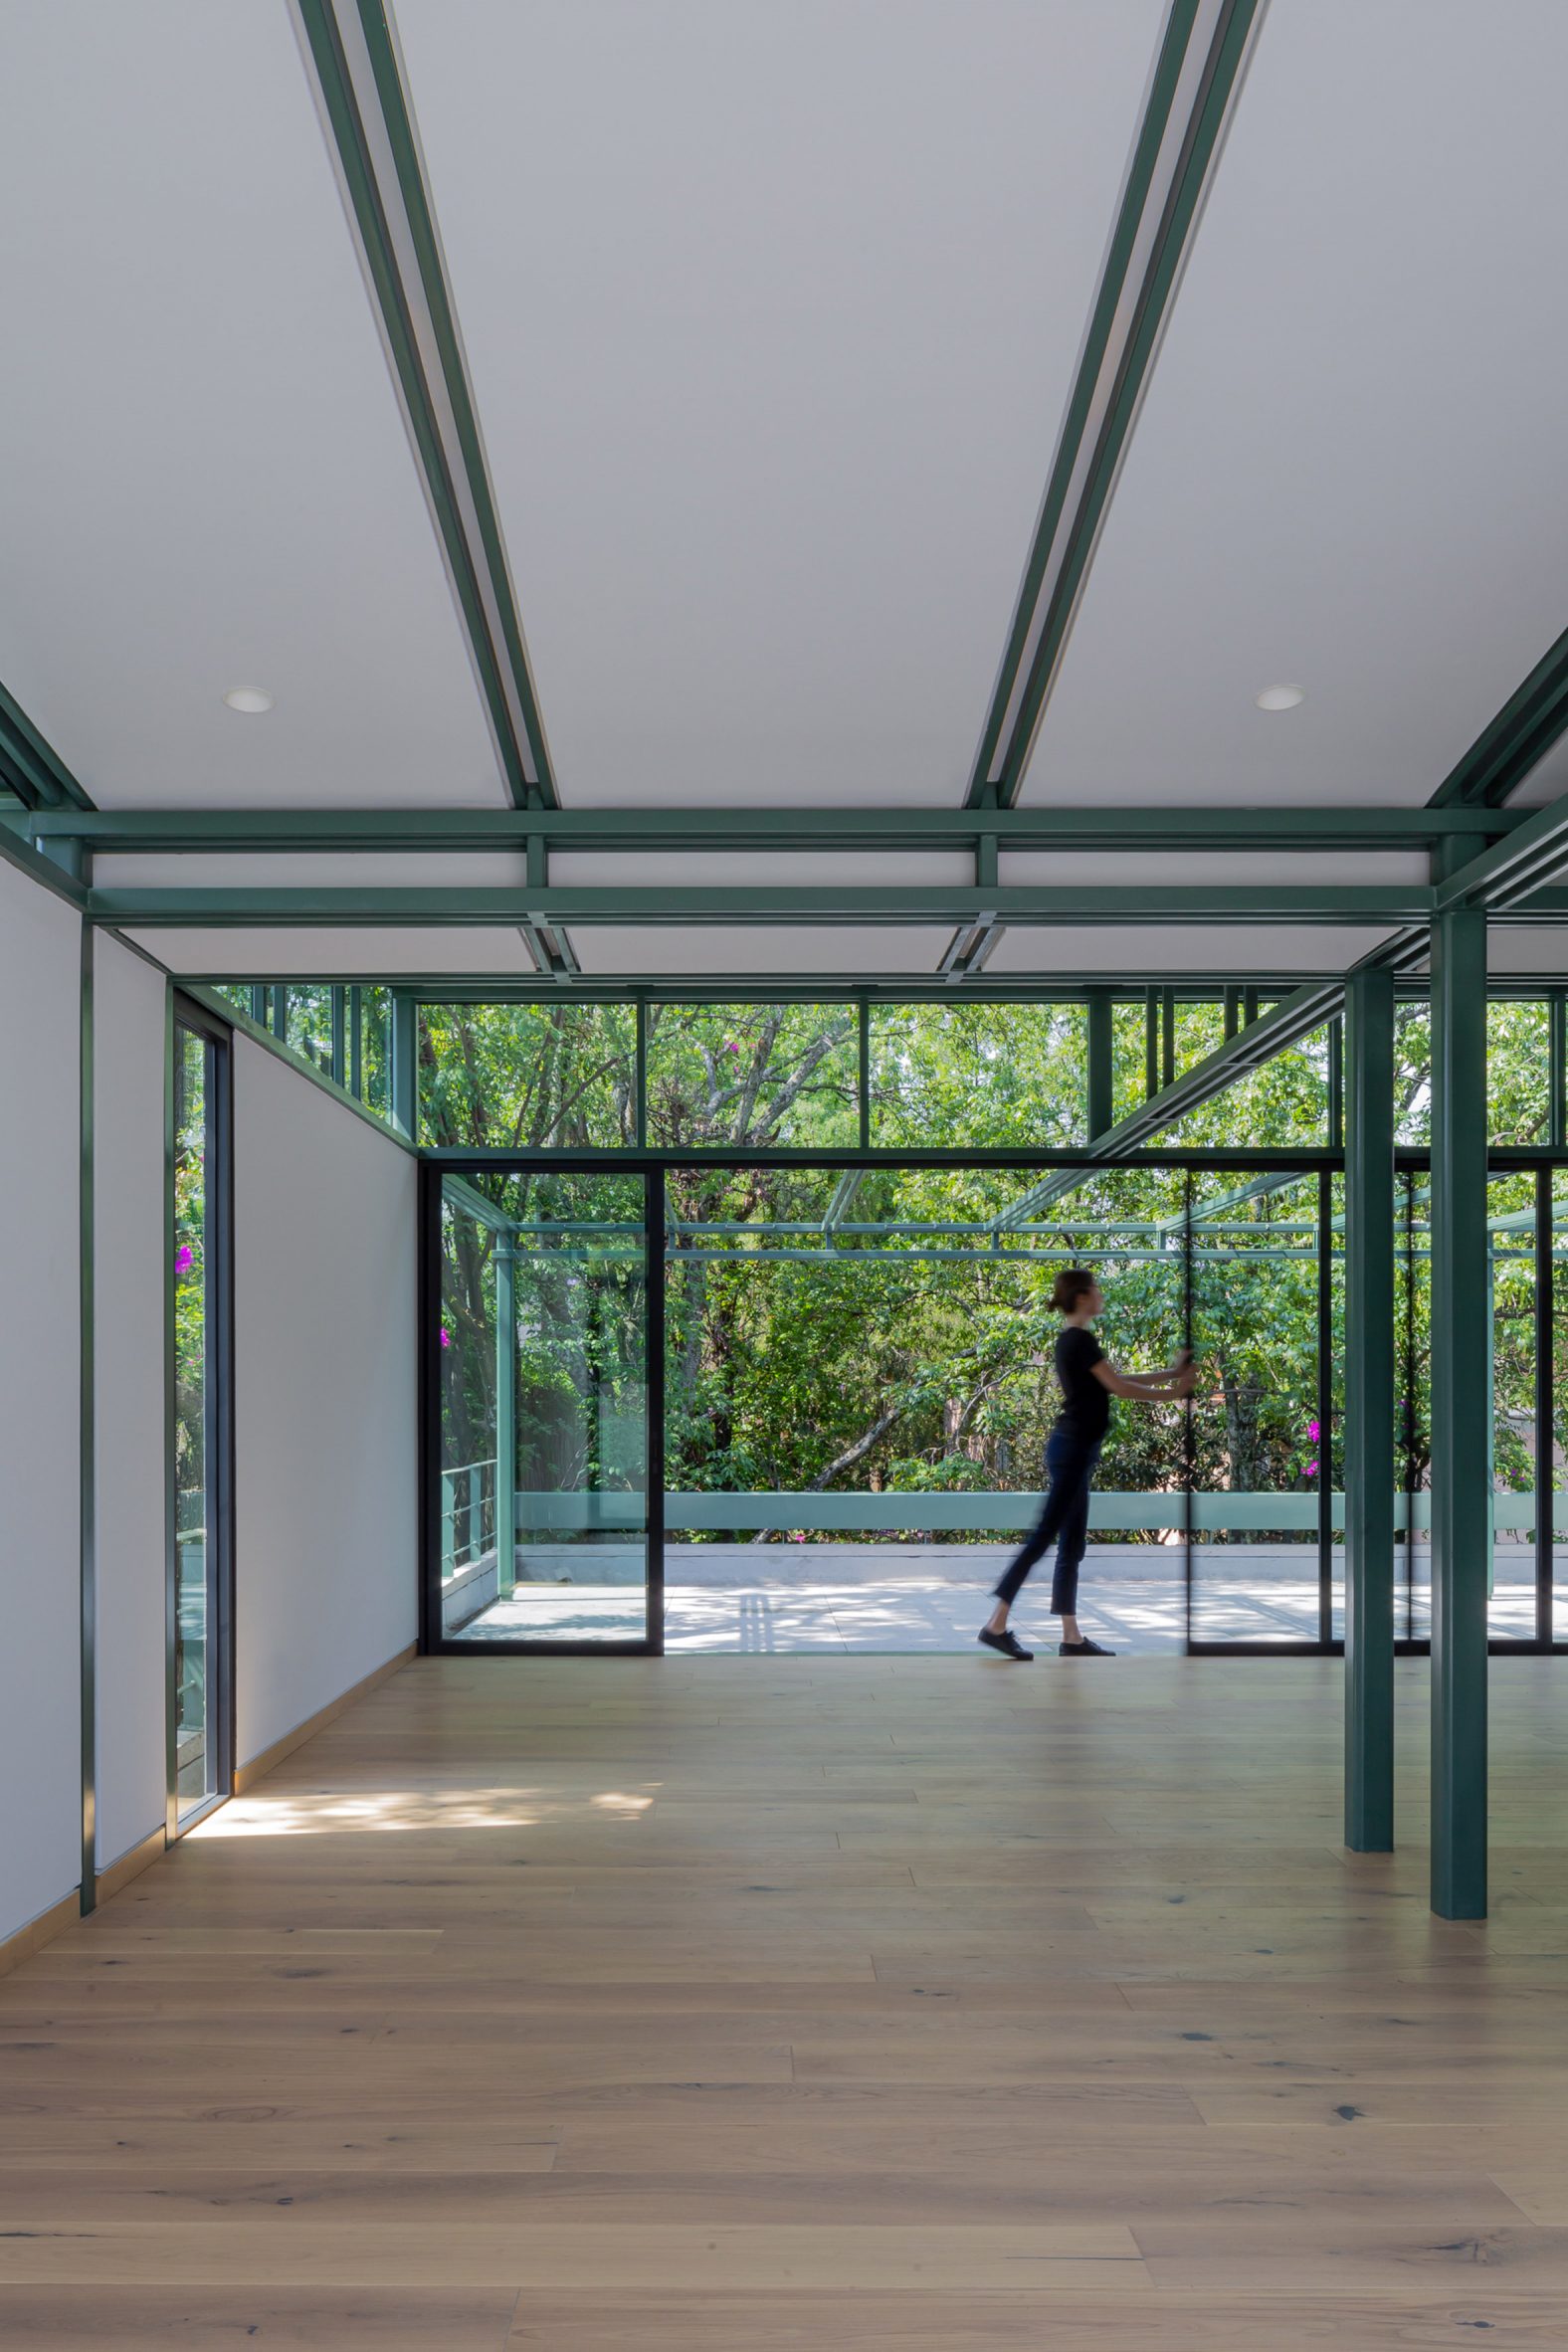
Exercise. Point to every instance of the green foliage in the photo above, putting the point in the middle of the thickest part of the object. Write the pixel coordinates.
(979, 1074)
(772, 1075)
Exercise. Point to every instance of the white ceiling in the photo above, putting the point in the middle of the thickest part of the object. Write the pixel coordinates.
(209, 484)
(845, 951)
(1528, 949)
(324, 954)
(772, 313)
(1350, 472)
(1070, 953)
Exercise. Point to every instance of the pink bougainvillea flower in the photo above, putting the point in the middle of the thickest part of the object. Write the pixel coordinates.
(184, 1258)
(445, 1336)
(1311, 1469)
(1314, 1431)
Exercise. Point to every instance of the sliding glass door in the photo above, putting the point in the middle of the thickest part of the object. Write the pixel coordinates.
(199, 1612)
(542, 1521)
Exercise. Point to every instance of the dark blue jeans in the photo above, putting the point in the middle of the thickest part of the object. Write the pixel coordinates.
(1063, 1521)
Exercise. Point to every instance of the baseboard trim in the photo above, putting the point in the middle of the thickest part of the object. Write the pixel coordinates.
(130, 1866)
(247, 1775)
(40, 1931)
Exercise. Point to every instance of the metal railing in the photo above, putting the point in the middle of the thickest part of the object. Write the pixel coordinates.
(468, 1516)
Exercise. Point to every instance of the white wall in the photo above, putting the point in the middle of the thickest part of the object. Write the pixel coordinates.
(129, 1208)
(40, 1462)
(326, 1398)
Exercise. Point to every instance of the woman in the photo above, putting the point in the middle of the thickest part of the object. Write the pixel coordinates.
(1087, 1385)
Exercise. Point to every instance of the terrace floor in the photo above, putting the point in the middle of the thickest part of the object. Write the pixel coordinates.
(931, 1598)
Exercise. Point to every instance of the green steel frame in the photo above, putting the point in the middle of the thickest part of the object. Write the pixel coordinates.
(1461, 1415)
(745, 825)
(1197, 74)
(364, 102)
(1370, 1451)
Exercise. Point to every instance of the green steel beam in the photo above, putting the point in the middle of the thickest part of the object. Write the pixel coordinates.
(1196, 77)
(1531, 720)
(17, 850)
(741, 827)
(1369, 1413)
(365, 105)
(679, 904)
(1461, 1415)
(1507, 875)
(30, 767)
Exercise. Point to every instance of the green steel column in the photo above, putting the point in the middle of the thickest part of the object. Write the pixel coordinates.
(505, 1415)
(405, 1066)
(1101, 1109)
(1369, 1412)
(1461, 1415)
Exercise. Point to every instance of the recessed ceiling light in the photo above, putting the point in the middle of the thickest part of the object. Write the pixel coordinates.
(1280, 698)
(248, 699)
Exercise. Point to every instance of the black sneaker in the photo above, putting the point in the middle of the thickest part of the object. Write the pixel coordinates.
(1084, 1649)
(1006, 1644)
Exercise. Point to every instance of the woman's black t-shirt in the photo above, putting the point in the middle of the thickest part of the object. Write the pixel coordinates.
(1085, 1405)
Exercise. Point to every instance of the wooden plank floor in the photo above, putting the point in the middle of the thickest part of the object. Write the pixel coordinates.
(924, 2005)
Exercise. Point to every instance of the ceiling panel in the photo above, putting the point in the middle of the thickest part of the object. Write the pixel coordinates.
(772, 312)
(783, 951)
(218, 491)
(1150, 951)
(760, 869)
(323, 955)
(150, 870)
(1528, 948)
(1237, 866)
(1350, 471)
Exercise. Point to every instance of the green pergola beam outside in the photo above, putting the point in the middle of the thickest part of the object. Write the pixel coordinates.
(1302, 1011)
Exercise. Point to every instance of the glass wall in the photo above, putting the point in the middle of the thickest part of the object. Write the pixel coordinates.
(769, 1076)
(343, 1030)
(1259, 1556)
(528, 1077)
(542, 1372)
(198, 1263)
(992, 1076)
